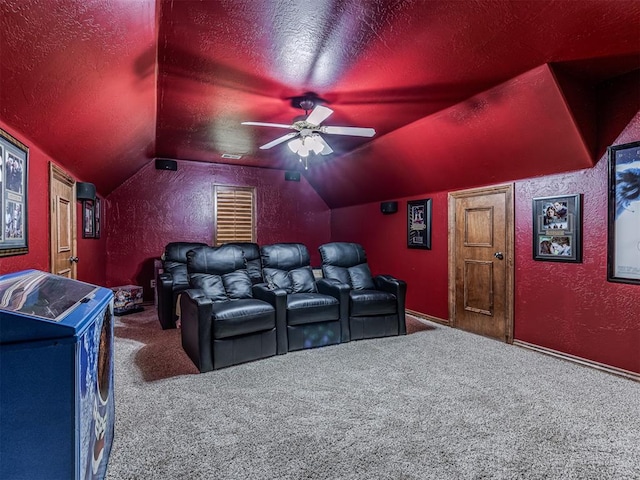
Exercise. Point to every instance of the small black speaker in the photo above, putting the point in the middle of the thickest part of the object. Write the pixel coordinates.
(85, 191)
(389, 207)
(292, 176)
(166, 164)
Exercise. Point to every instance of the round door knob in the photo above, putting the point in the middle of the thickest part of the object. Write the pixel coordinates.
(498, 255)
(73, 259)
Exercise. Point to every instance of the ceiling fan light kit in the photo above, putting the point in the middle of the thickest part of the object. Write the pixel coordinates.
(305, 144)
(307, 138)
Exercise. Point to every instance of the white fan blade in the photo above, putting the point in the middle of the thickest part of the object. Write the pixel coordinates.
(327, 150)
(355, 131)
(318, 115)
(261, 124)
(279, 140)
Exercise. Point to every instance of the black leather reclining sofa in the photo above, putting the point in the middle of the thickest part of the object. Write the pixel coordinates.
(240, 302)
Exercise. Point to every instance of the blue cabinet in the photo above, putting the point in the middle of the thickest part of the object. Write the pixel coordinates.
(57, 408)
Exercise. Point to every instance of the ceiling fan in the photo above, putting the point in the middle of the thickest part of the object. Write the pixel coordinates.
(309, 131)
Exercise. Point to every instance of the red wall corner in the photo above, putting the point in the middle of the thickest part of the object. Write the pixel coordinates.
(384, 238)
(566, 307)
(572, 308)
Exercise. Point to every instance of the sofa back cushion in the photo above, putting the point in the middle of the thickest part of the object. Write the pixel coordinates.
(360, 276)
(237, 284)
(211, 285)
(287, 266)
(220, 272)
(302, 280)
(347, 263)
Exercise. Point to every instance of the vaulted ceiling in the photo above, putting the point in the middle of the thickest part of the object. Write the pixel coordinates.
(460, 92)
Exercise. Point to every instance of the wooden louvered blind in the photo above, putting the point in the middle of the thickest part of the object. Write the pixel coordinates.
(235, 217)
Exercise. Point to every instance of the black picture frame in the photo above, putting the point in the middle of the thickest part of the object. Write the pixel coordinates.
(623, 245)
(557, 228)
(88, 219)
(97, 217)
(14, 174)
(419, 223)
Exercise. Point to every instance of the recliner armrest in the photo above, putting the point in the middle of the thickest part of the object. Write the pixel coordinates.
(390, 284)
(164, 281)
(276, 297)
(262, 292)
(340, 291)
(158, 268)
(331, 286)
(196, 308)
(164, 295)
(197, 294)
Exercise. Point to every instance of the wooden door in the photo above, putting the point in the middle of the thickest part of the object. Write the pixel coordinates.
(481, 261)
(62, 196)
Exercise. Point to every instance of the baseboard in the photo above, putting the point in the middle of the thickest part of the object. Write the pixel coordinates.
(579, 360)
(424, 316)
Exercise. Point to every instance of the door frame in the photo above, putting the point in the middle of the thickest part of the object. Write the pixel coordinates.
(56, 173)
(509, 225)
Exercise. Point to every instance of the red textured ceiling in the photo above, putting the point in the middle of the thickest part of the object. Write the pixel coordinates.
(79, 78)
(461, 93)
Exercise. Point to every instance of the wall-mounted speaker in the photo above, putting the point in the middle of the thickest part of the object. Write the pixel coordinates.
(389, 207)
(292, 176)
(166, 164)
(85, 191)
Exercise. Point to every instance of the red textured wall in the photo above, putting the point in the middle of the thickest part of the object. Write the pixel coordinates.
(37, 211)
(384, 238)
(571, 307)
(593, 319)
(91, 253)
(155, 207)
(562, 306)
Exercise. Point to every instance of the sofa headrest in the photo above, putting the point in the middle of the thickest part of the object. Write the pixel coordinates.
(342, 254)
(285, 256)
(215, 260)
(177, 251)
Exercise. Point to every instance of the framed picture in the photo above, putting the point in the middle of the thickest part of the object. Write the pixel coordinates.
(14, 158)
(419, 223)
(557, 228)
(623, 259)
(88, 219)
(96, 218)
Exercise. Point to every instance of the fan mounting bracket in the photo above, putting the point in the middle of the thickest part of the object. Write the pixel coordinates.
(307, 101)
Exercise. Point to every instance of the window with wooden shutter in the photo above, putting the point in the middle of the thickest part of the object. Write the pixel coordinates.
(235, 214)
